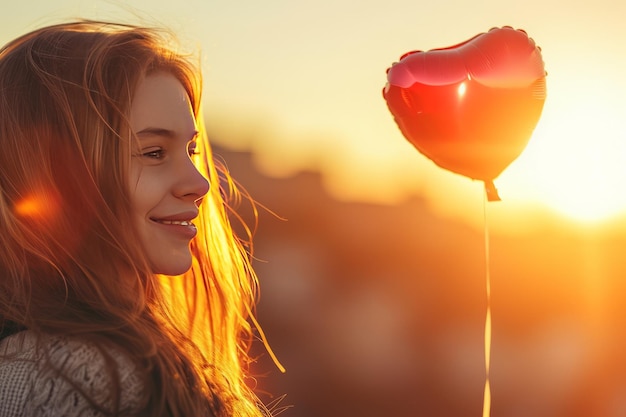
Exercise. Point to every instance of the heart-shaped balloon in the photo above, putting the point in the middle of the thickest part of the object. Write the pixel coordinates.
(471, 108)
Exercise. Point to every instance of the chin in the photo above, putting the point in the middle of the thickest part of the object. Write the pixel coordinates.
(171, 267)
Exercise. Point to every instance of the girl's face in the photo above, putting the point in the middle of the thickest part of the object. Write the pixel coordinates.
(166, 188)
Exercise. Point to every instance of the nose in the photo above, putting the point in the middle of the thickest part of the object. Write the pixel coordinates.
(192, 184)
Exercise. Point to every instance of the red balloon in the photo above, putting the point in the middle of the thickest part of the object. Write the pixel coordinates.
(471, 108)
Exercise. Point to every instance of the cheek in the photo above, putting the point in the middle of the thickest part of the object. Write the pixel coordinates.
(134, 179)
(149, 191)
(142, 199)
(143, 189)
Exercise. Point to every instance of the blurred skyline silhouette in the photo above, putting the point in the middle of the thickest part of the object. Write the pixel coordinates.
(379, 309)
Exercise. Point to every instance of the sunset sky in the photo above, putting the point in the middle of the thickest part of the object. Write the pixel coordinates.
(299, 83)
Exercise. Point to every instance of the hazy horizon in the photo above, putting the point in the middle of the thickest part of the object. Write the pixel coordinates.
(299, 84)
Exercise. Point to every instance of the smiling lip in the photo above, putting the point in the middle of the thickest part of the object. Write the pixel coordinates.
(180, 224)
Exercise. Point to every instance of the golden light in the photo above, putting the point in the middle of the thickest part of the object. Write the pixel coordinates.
(576, 160)
(41, 205)
(29, 207)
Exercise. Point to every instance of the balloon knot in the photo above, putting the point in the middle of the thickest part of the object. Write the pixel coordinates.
(491, 191)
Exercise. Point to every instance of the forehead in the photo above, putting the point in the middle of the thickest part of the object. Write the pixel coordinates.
(161, 101)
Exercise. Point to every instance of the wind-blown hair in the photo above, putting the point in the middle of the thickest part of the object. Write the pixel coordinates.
(70, 260)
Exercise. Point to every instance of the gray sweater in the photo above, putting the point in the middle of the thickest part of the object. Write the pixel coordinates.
(30, 387)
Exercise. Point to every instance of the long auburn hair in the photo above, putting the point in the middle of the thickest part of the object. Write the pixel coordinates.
(70, 262)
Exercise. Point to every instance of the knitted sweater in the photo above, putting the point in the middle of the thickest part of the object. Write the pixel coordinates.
(30, 387)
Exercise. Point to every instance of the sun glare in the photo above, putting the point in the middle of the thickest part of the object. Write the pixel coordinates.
(577, 157)
(29, 207)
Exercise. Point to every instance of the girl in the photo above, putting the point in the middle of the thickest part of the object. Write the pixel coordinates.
(123, 289)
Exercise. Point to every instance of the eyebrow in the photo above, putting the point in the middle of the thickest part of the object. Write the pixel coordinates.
(167, 133)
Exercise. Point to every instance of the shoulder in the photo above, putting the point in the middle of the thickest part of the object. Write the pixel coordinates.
(54, 376)
(17, 366)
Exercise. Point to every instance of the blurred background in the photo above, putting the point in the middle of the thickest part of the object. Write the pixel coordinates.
(372, 260)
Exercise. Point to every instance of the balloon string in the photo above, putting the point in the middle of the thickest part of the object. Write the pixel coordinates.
(487, 395)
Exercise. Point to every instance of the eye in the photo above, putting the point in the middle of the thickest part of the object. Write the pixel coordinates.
(154, 153)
